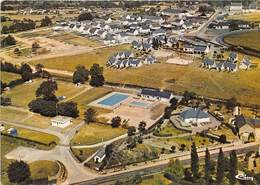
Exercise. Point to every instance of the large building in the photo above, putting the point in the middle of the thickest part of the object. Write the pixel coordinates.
(194, 116)
(153, 94)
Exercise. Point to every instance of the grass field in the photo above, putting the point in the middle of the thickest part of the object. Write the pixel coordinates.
(69, 63)
(21, 95)
(251, 17)
(94, 133)
(74, 39)
(248, 39)
(8, 114)
(170, 129)
(156, 179)
(227, 131)
(84, 153)
(7, 77)
(43, 169)
(34, 135)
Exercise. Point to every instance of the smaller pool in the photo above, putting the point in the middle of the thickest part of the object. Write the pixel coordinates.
(139, 104)
(113, 99)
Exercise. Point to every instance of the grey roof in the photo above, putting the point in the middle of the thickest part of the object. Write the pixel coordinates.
(240, 121)
(150, 58)
(152, 17)
(194, 113)
(208, 61)
(159, 31)
(147, 45)
(156, 93)
(230, 65)
(200, 48)
(255, 122)
(134, 43)
(232, 56)
(101, 152)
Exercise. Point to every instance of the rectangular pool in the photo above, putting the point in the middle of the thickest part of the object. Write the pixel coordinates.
(139, 104)
(113, 99)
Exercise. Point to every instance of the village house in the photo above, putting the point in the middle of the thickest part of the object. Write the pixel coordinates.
(100, 155)
(244, 128)
(194, 116)
(245, 64)
(149, 60)
(61, 121)
(233, 57)
(152, 94)
(208, 63)
(236, 7)
(226, 66)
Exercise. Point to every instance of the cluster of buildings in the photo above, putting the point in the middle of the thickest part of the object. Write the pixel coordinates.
(230, 64)
(221, 24)
(126, 59)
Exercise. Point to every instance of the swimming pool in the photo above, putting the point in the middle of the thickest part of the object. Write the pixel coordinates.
(113, 100)
(139, 104)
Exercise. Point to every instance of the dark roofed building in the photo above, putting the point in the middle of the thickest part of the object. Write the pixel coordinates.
(194, 116)
(153, 94)
(244, 127)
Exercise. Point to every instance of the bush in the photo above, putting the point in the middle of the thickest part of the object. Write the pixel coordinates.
(8, 41)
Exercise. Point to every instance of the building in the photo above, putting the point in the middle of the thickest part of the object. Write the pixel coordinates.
(245, 64)
(100, 155)
(12, 132)
(208, 63)
(61, 121)
(244, 127)
(153, 94)
(194, 116)
(236, 7)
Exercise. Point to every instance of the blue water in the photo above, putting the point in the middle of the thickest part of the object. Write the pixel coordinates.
(139, 104)
(113, 100)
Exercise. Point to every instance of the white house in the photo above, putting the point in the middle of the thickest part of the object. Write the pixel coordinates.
(61, 121)
(194, 116)
(100, 155)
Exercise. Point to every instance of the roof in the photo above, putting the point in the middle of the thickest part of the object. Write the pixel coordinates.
(200, 48)
(255, 122)
(240, 121)
(232, 55)
(194, 113)
(156, 93)
(101, 152)
(62, 119)
(208, 61)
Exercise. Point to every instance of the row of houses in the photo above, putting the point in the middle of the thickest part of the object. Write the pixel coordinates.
(227, 65)
(126, 59)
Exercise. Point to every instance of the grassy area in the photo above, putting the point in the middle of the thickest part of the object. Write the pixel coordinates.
(248, 39)
(74, 39)
(7, 77)
(99, 56)
(34, 135)
(83, 153)
(170, 129)
(251, 17)
(155, 179)
(84, 99)
(43, 169)
(94, 133)
(21, 99)
(8, 114)
(226, 131)
(38, 121)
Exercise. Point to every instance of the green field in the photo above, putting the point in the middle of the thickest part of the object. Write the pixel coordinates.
(248, 39)
(69, 63)
(251, 17)
(21, 95)
(155, 179)
(7, 77)
(95, 133)
(43, 169)
(170, 129)
(83, 153)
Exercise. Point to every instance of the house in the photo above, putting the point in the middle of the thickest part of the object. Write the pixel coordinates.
(233, 57)
(109, 39)
(159, 32)
(208, 63)
(244, 128)
(100, 155)
(149, 60)
(152, 94)
(226, 66)
(245, 64)
(221, 25)
(147, 47)
(145, 29)
(194, 116)
(188, 48)
(156, 19)
(155, 26)
(135, 44)
(134, 63)
(61, 121)
(201, 49)
(236, 7)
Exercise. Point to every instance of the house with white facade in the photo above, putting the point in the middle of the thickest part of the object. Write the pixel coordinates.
(194, 116)
(61, 121)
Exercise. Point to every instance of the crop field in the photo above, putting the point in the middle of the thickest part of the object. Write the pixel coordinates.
(251, 17)
(69, 63)
(248, 39)
(94, 133)
(7, 77)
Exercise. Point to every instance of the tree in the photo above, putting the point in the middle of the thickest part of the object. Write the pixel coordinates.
(135, 180)
(39, 68)
(18, 171)
(173, 148)
(175, 169)
(47, 90)
(174, 102)
(80, 75)
(131, 131)
(96, 70)
(188, 174)
(207, 167)
(44, 107)
(5, 101)
(35, 46)
(96, 73)
(68, 109)
(220, 167)
(3, 85)
(231, 103)
(8, 41)
(46, 21)
(85, 16)
(115, 122)
(188, 96)
(183, 146)
(194, 161)
(26, 72)
(141, 127)
(222, 138)
(232, 168)
(90, 115)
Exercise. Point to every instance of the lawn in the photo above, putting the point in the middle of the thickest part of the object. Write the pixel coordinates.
(248, 39)
(83, 153)
(84, 99)
(69, 63)
(74, 39)
(21, 95)
(170, 129)
(95, 133)
(155, 179)
(251, 17)
(34, 135)
(43, 169)
(226, 131)
(7, 77)
(8, 114)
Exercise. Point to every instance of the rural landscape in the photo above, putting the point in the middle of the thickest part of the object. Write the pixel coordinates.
(130, 92)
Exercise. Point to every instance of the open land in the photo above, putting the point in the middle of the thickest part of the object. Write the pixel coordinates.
(7, 77)
(251, 17)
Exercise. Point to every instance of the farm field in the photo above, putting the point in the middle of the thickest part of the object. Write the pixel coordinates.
(21, 95)
(94, 133)
(7, 77)
(99, 56)
(248, 39)
(251, 17)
